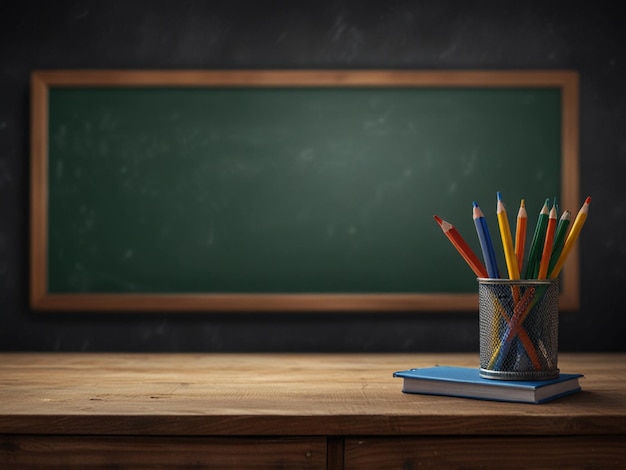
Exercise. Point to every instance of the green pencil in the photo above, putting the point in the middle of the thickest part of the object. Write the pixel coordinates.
(559, 238)
(537, 266)
(536, 246)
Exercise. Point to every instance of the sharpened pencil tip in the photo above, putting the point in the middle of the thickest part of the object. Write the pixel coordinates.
(499, 196)
(553, 212)
(588, 200)
(438, 219)
(474, 203)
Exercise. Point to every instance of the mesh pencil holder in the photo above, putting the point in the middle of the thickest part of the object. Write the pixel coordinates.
(519, 322)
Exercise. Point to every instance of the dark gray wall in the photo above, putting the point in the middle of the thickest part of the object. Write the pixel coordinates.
(140, 34)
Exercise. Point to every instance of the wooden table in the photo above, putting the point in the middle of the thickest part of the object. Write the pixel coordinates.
(293, 411)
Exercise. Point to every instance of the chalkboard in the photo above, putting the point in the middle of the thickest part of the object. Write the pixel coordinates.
(285, 190)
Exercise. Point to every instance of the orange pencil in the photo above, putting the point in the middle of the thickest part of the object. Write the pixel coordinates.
(462, 247)
(547, 244)
(520, 234)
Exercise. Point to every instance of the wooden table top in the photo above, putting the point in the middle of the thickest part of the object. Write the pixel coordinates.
(284, 394)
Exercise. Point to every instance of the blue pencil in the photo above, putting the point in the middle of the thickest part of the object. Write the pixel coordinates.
(486, 245)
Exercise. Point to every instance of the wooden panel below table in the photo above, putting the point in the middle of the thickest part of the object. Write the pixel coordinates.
(580, 452)
(62, 452)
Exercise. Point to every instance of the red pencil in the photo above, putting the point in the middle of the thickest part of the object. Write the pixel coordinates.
(462, 247)
(520, 234)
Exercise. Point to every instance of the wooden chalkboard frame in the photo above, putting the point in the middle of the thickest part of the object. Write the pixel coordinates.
(42, 299)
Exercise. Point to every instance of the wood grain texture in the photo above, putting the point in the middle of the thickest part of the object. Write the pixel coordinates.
(294, 303)
(283, 394)
(39, 187)
(162, 452)
(478, 78)
(597, 452)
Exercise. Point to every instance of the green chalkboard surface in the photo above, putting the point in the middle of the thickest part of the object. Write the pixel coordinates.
(281, 189)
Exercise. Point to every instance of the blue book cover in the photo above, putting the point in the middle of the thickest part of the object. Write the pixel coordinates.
(466, 382)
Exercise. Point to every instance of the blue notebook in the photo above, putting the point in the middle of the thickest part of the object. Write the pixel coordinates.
(467, 383)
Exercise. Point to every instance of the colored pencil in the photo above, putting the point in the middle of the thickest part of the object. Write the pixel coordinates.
(537, 265)
(559, 238)
(572, 236)
(527, 344)
(489, 255)
(547, 245)
(556, 205)
(507, 241)
(521, 310)
(537, 242)
(520, 234)
(462, 247)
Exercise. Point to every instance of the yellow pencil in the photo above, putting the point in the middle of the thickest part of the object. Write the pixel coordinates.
(572, 236)
(507, 240)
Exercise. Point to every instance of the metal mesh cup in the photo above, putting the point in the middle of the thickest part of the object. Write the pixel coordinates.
(519, 323)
